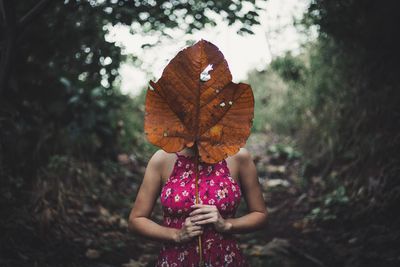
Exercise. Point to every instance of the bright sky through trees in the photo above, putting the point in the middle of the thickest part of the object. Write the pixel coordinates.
(274, 36)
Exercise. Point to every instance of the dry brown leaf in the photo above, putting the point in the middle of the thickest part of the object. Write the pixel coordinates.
(193, 103)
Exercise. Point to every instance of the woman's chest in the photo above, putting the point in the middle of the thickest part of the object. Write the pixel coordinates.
(215, 187)
(230, 165)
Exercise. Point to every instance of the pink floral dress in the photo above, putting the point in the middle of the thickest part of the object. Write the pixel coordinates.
(216, 187)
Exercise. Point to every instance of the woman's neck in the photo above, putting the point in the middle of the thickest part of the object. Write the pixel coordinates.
(187, 151)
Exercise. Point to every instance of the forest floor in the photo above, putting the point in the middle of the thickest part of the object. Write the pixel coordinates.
(94, 233)
(288, 240)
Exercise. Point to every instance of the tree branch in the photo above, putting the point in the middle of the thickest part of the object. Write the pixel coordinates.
(9, 36)
(2, 11)
(32, 14)
(12, 29)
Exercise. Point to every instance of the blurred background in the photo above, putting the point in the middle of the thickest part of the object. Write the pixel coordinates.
(325, 139)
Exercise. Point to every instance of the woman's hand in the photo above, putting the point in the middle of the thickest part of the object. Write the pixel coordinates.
(209, 214)
(188, 231)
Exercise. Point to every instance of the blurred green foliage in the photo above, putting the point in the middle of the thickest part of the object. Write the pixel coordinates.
(331, 202)
(339, 100)
(269, 90)
(283, 150)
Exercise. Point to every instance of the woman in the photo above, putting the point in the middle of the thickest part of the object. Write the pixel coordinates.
(221, 185)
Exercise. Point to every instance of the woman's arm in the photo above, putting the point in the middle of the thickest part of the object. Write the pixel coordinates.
(149, 190)
(256, 219)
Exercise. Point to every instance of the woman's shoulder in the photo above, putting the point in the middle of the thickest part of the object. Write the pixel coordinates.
(242, 155)
(160, 157)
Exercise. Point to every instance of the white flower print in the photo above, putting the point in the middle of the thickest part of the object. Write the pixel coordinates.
(221, 184)
(221, 194)
(164, 263)
(182, 183)
(168, 192)
(211, 182)
(223, 207)
(169, 209)
(181, 256)
(211, 201)
(168, 220)
(180, 211)
(179, 163)
(185, 175)
(228, 258)
(221, 170)
(192, 185)
(217, 173)
(185, 193)
(187, 166)
(177, 198)
(209, 168)
(209, 243)
(174, 180)
(233, 188)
